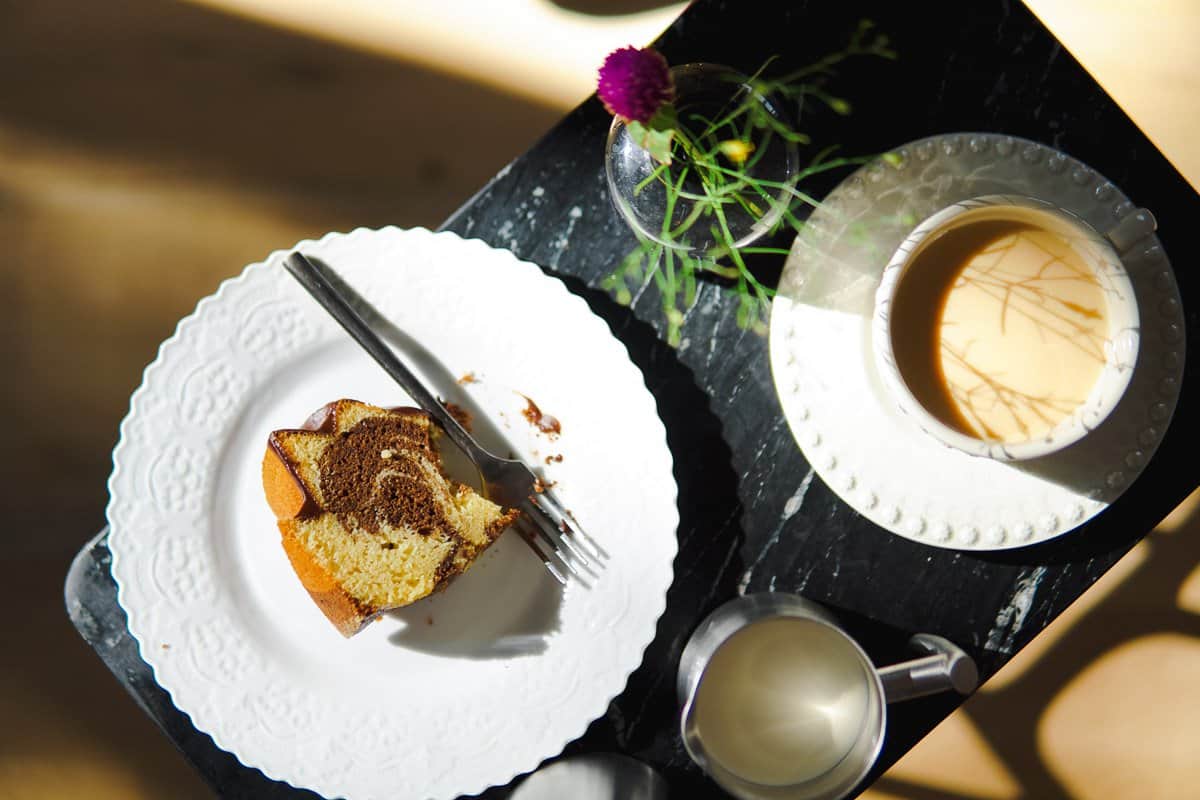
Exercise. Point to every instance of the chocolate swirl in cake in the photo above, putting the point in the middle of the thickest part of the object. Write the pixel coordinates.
(371, 474)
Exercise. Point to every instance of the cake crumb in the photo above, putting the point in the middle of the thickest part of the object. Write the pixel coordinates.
(556, 458)
(540, 420)
(386, 454)
(166, 646)
(540, 485)
(467, 377)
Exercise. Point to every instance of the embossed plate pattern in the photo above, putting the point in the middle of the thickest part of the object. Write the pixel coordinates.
(873, 456)
(458, 692)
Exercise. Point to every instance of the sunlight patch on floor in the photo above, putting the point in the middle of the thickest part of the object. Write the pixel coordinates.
(1126, 726)
(64, 774)
(1189, 593)
(529, 47)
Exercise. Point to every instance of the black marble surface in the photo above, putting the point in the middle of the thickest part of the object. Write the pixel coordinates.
(961, 67)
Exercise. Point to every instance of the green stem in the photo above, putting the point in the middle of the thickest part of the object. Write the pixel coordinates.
(686, 224)
(653, 176)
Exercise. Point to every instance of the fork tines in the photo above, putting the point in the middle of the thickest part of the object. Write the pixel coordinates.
(543, 518)
(530, 536)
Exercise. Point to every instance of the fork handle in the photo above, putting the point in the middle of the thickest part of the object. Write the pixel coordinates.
(314, 281)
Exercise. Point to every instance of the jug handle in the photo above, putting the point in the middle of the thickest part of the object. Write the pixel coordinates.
(946, 667)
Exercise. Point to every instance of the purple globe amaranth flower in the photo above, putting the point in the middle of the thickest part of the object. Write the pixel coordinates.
(635, 83)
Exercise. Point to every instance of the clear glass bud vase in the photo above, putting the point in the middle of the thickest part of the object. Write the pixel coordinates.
(703, 202)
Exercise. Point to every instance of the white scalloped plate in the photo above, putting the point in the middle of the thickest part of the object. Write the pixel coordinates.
(461, 691)
(874, 456)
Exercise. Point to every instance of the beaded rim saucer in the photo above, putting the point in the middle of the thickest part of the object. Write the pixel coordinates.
(872, 456)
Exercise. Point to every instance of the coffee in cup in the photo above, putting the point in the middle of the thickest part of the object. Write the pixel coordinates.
(1006, 327)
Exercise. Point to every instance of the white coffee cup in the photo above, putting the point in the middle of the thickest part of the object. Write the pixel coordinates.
(1120, 347)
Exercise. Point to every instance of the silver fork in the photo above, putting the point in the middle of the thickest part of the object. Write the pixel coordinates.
(545, 525)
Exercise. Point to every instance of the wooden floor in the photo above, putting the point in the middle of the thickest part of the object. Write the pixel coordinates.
(150, 149)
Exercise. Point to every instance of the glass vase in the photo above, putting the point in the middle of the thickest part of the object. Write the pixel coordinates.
(702, 201)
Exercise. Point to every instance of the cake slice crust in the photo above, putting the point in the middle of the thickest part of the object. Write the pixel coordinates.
(368, 518)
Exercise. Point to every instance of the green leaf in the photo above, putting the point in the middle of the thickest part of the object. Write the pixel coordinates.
(631, 266)
(665, 119)
(655, 142)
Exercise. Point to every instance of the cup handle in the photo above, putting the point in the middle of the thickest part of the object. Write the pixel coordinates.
(1132, 228)
(946, 667)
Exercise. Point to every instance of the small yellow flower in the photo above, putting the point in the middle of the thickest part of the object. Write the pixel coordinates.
(736, 150)
(840, 106)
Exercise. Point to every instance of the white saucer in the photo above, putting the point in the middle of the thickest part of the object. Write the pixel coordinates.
(872, 455)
